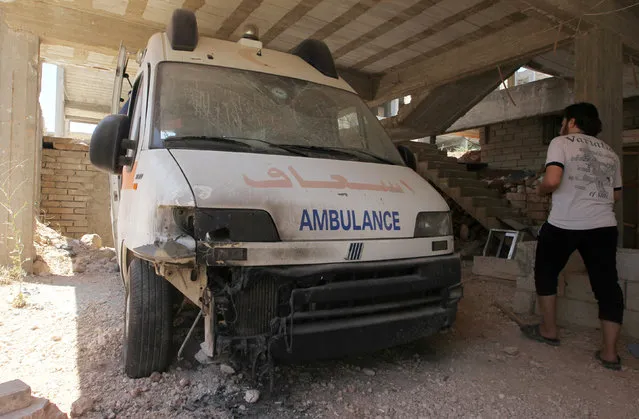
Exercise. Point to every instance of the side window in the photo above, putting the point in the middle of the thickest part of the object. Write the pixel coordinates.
(351, 133)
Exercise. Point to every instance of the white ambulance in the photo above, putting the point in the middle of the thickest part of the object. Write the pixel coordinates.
(259, 186)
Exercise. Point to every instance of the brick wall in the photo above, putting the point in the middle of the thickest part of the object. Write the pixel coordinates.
(531, 205)
(514, 144)
(74, 195)
(519, 144)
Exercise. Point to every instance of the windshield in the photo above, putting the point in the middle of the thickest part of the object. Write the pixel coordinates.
(195, 100)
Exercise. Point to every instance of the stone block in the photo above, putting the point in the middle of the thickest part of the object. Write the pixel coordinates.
(497, 267)
(39, 409)
(575, 264)
(574, 312)
(14, 395)
(628, 264)
(524, 301)
(632, 295)
(526, 283)
(578, 287)
(630, 324)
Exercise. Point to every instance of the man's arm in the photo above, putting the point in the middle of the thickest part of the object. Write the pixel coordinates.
(618, 195)
(552, 180)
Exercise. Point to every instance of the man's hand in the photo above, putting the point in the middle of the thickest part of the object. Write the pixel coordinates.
(551, 180)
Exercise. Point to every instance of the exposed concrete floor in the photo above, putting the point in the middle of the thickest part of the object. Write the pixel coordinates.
(67, 343)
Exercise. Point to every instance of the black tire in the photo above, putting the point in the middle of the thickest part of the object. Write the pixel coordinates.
(148, 321)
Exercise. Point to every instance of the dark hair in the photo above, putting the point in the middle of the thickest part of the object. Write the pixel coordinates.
(586, 117)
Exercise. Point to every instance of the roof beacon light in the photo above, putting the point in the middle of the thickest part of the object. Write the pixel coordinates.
(251, 32)
(251, 37)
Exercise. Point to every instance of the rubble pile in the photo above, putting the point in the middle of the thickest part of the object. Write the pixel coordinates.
(473, 156)
(520, 188)
(60, 255)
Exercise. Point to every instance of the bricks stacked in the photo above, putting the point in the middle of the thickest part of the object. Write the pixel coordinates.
(67, 179)
(576, 304)
(514, 145)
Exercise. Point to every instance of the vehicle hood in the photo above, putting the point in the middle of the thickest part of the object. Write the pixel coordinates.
(309, 198)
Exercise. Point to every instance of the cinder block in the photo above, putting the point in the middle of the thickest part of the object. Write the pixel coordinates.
(526, 283)
(72, 204)
(578, 287)
(574, 312)
(632, 295)
(575, 264)
(513, 196)
(630, 324)
(77, 192)
(14, 395)
(524, 301)
(628, 264)
(61, 210)
(60, 197)
(497, 268)
(76, 229)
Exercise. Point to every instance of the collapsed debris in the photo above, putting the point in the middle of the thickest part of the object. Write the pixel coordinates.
(60, 255)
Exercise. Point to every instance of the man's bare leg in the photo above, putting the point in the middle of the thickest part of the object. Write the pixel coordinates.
(611, 332)
(548, 307)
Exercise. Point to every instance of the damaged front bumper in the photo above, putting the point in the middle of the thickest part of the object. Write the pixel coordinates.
(339, 309)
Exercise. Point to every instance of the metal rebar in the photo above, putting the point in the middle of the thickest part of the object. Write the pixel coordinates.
(188, 335)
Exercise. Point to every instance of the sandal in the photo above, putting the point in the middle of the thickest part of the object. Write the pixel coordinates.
(532, 332)
(615, 366)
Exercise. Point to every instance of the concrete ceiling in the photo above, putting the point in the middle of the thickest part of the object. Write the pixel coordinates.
(384, 48)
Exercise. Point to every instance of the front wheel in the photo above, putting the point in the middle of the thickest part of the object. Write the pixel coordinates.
(148, 321)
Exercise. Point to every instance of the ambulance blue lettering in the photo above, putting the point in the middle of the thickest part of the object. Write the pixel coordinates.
(319, 222)
(346, 220)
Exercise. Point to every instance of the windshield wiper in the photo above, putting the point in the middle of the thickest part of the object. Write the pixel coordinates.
(206, 140)
(350, 152)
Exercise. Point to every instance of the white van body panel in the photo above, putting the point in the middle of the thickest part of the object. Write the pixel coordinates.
(154, 182)
(297, 190)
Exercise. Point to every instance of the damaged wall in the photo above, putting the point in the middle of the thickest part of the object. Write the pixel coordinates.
(74, 194)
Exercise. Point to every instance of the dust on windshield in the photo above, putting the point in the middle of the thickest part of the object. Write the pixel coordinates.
(195, 100)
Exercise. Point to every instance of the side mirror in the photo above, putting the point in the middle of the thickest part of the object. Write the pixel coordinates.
(108, 147)
(408, 156)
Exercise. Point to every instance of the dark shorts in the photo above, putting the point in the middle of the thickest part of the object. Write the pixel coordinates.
(598, 249)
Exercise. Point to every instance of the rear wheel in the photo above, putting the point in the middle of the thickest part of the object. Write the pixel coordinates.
(148, 321)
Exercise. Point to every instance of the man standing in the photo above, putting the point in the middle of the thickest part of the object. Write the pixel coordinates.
(583, 174)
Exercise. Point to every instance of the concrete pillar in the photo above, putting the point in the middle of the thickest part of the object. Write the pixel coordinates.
(20, 139)
(599, 80)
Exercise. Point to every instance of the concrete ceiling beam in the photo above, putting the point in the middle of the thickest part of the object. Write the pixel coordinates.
(518, 42)
(595, 13)
(88, 107)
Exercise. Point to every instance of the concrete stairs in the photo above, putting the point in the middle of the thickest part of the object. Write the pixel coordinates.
(464, 187)
(16, 402)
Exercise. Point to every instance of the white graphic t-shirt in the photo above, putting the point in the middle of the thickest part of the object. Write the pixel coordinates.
(592, 172)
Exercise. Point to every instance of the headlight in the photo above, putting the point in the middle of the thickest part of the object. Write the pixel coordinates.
(433, 224)
(234, 225)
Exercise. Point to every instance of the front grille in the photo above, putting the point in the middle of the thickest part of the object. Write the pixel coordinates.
(254, 308)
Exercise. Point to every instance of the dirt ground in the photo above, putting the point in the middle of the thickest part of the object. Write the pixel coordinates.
(67, 343)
